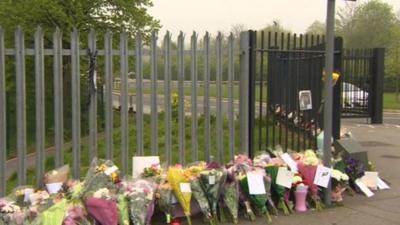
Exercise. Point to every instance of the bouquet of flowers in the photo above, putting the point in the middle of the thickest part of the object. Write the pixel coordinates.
(140, 197)
(76, 215)
(260, 200)
(354, 169)
(164, 196)
(236, 170)
(10, 213)
(280, 192)
(101, 174)
(102, 207)
(230, 197)
(212, 180)
(307, 168)
(54, 215)
(181, 186)
(339, 183)
(55, 179)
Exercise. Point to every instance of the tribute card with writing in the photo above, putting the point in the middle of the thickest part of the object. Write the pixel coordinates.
(284, 177)
(322, 176)
(289, 161)
(256, 184)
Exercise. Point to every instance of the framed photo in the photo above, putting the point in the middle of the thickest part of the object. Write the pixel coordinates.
(305, 100)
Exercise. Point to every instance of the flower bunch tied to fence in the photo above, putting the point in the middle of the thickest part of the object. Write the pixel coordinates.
(272, 183)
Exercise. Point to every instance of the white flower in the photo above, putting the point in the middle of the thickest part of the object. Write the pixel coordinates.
(102, 193)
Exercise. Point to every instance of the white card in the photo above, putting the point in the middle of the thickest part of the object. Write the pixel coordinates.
(256, 184)
(364, 188)
(185, 187)
(322, 176)
(289, 161)
(382, 185)
(284, 177)
(211, 180)
(27, 194)
(370, 179)
(141, 162)
(110, 170)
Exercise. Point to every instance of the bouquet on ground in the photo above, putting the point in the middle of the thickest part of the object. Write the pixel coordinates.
(76, 215)
(55, 179)
(182, 189)
(236, 170)
(212, 180)
(307, 168)
(140, 197)
(102, 207)
(339, 183)
(165, 199)
(258, 200)
(230, 195)
(355, 170)
(154, 172)
(278, 191)
(101, 174)
(11, 213)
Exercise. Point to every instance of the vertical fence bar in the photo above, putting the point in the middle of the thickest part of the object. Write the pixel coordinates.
(167, 96)
(260, 116)
(40, 110)
(124, 101)
(76, 105)
(21, 105)
(267, 99)
(181, 94)
(194, 96)
(231, 109)
(244, 90)
(58, 98)
(220, 147)
(154, 112)
(206, 99)
(3, 138)
(377, 88)
(139, 95)
(93, 103)
(109, 93)
(252, 91)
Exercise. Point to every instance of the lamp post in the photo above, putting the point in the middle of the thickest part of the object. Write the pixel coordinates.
(330, 34)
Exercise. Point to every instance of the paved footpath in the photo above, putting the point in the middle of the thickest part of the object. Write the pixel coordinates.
(383, 145)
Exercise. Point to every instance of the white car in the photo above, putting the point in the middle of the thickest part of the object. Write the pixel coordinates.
(353, 96)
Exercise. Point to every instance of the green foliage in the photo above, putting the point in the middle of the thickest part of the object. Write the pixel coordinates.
(317, 27)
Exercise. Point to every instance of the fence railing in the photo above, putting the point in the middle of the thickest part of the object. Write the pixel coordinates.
(83, 64)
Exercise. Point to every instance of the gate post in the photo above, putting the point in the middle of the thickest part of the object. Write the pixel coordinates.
(376, 95)
(247, 91)
(337, 92)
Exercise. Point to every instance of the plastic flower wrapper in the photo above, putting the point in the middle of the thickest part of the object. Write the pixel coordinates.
(230, 197)
(56, 178)
(181, 186)
(212, 180)
(165, 199)
(236, 169)
(307, 168)
(259, 201)
(123, 211)
(262, 160)
(10, 212)
(102, 207)
(140, 197)
(278, 190)
(53, 215)
(101, 174)
(201, 197)
(154, 172)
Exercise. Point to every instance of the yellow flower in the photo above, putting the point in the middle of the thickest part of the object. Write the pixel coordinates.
(114, 177)
(101, 168)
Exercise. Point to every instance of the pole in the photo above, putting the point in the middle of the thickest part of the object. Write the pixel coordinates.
(330, 33)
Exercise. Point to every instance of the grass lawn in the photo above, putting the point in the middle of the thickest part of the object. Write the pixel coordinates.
(389, 101)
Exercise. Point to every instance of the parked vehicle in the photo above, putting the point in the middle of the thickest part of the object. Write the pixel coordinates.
(354, 96)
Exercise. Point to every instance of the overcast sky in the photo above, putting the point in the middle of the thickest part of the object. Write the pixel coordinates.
(220, 15)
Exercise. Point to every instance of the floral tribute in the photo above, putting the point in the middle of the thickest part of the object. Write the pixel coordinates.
(210, 189)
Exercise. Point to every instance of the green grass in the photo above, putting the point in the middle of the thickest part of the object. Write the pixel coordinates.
(389, 101)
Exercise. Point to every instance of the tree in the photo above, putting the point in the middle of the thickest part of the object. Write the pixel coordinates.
(368, 25)
(117, 15)
(317, 27)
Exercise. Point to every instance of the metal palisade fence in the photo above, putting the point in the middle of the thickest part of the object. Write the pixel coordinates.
(205, 66)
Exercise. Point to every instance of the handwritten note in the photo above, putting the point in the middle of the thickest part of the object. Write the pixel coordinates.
(256, 184)
(322, 176)
(284, 177)
(289, 161)
(364, 188)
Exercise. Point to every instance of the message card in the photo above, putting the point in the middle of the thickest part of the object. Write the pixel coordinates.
(322, 176)
(284, 177)
(364, 188)
(289, 161)
(185, 187)
(256, 184)
(382, 185)
(370, 179)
